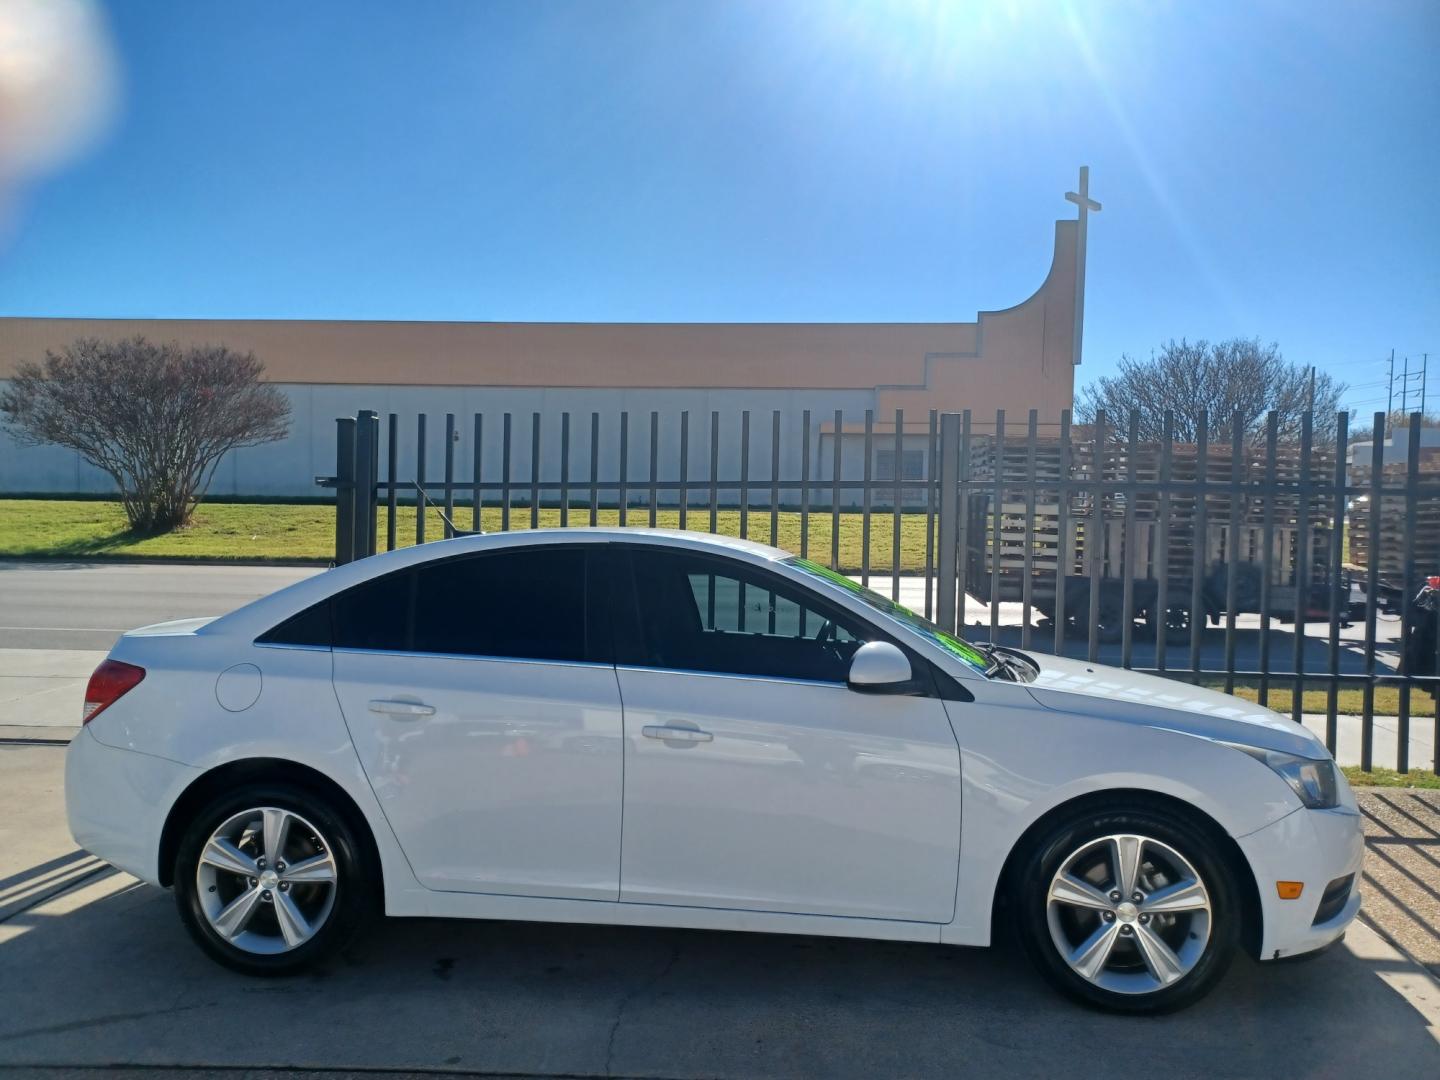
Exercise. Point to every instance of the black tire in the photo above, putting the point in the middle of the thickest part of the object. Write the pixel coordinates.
(1111, 629)
(355, 888)
(1177, 623)
(1029, 904)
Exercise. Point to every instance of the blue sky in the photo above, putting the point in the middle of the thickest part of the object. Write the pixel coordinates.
(1267, 169)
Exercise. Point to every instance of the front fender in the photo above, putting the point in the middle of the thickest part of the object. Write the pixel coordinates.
(1019, 762)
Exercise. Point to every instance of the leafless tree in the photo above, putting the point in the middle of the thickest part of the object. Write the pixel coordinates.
(157, 418)
(1235, 382)
(1362, 424)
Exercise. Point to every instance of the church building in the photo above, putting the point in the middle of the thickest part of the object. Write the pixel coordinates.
(1017, 359)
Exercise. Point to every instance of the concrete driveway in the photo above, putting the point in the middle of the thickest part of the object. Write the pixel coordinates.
(95, 970)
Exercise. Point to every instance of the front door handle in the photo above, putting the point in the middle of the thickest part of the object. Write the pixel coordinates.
(675, 734)
(401, 708)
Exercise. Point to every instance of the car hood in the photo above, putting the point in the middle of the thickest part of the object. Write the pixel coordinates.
(1086, 689)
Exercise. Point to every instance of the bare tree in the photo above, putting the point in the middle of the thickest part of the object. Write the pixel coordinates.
(1362, 425)
(157, 418)
(1232, 383)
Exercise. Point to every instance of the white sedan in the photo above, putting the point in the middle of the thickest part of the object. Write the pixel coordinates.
(675, 729)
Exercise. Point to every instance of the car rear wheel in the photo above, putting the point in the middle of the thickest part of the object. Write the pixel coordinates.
(270, 879)
(1130, 910)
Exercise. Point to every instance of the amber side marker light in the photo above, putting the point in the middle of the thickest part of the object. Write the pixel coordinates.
(1289, 890)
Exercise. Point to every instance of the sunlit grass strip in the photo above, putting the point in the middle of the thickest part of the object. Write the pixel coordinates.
(288, 531)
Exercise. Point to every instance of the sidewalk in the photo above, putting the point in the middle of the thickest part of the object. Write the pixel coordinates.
(44, 688)
(1401, 884)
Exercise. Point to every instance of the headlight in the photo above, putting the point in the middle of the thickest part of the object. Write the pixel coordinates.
(1315, 780)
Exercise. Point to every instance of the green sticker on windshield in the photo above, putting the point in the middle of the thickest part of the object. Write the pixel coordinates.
(949, 642)
(962, 649)
(825, 572)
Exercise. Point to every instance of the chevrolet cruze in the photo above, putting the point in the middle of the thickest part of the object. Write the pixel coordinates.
(673, 729)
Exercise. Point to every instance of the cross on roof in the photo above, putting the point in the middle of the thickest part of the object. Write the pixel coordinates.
(1083, 200)
(1086, 204)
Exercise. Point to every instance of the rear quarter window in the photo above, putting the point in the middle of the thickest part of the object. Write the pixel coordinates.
(310, 627)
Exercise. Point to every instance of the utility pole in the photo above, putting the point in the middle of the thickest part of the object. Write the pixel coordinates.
(1312, 390)
(1390, 390)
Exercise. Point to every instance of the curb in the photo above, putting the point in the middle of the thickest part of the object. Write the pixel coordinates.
(160, 560)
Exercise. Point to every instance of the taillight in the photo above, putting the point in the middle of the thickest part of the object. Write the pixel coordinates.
(112, 681)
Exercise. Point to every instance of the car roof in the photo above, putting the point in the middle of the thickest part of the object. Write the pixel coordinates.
(638, 534)
(269, 610)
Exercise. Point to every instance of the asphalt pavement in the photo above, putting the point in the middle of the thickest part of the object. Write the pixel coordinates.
(86, 606)
(96, 971)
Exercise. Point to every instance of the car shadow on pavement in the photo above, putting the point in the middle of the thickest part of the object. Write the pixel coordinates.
(104, 974)
(28, 887)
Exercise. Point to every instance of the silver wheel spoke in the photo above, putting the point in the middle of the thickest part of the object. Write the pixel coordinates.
(1182, 896)
(1068, 889)
(315, 870)
(277, 829)
(1090, 958)
(1159, 957)
(221, 853)
(292, 923)
(1088, 924)
(299, 895)
(236, 915)
(1125, 862)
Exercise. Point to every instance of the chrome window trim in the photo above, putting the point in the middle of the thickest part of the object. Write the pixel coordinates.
(287, 645)
(735, 675)
(416, 655)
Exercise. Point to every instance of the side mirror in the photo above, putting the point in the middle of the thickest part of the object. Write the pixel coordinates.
(881, 668)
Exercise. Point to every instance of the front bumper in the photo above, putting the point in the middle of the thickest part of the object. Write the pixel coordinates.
(117, 802)
(1315, 847)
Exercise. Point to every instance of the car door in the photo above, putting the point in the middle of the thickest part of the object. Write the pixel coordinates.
(754, 778)
(480, 694)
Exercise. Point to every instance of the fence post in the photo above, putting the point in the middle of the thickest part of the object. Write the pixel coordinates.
(344, 489)
(949, 520)
(367, 461)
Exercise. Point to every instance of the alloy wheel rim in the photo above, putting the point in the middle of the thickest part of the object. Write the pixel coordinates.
(1129, 914)
(266, 880)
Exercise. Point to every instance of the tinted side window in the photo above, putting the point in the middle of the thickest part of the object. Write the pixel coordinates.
(375, 615)
(529, 605)
(309, 627)
(704, 614)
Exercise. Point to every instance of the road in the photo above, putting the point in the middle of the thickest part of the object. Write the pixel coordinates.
(86, 606)
(102, 974)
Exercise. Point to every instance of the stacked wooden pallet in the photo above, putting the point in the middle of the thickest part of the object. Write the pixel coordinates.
(1395, 529)
(1161, 528)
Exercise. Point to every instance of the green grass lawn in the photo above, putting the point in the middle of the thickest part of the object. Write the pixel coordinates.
(259, 531)
(1350, 700)
(1417, 778)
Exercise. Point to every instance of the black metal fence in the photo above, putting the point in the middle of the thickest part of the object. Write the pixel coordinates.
(1270, 565)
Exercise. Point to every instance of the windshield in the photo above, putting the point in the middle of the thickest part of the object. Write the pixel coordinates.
(972, 657)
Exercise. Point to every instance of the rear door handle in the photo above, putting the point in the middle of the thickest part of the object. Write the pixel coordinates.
(401, 708)
(675, 734)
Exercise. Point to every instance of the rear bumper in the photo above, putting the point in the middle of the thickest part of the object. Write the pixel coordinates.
(117, 801)
(1315, 847)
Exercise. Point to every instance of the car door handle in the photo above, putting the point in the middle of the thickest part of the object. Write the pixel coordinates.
(401, 708)
(675, 734)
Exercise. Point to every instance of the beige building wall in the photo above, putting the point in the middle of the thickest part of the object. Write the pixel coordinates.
(1016, 359)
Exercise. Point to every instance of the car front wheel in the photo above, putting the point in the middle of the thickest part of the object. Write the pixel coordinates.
(270, 879)
(1132, 911)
